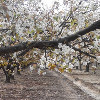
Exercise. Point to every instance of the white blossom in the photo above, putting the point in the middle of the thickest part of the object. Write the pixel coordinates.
(31, 68)
(42, 66)
(60, 45)
(85, 63)
(98, 58)
(70, 66)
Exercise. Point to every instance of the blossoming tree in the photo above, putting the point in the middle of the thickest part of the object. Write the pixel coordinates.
(59, 38)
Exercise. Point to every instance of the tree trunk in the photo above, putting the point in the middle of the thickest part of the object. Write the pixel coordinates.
(18, 70)
(87, 68)
(76, 67)
(7, 78)
(80, 65)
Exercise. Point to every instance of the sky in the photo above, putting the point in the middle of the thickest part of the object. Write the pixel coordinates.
(48, 3)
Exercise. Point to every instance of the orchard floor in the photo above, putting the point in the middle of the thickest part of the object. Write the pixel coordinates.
(88, 77)
(52, 86)
(87, 81)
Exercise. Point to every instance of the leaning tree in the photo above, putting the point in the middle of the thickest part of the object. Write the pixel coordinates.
(57, 38)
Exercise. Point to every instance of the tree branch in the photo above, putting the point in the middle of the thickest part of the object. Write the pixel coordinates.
(83, 52)
(94, 26)
(53, 44)
(4, 30)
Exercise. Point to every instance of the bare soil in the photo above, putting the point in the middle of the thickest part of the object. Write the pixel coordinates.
(89, 77)
(31, 86)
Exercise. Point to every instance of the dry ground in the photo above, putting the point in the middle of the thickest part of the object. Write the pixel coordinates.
(52, 86)
(88, 77)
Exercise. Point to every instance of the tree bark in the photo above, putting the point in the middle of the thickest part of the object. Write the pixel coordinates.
(7, 78)
(53, 44)
(76, 67)
(80, 65)
(87, 68)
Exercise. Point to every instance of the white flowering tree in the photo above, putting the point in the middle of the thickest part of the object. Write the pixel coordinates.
(58, 36)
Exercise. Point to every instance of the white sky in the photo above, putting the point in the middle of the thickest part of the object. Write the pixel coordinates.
(49, 3)
(46, 3)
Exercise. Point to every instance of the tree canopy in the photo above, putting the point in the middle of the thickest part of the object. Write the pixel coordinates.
(62, 33)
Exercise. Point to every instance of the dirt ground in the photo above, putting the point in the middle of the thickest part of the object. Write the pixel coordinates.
(89, 77)
(87, 81)
(31, 86)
